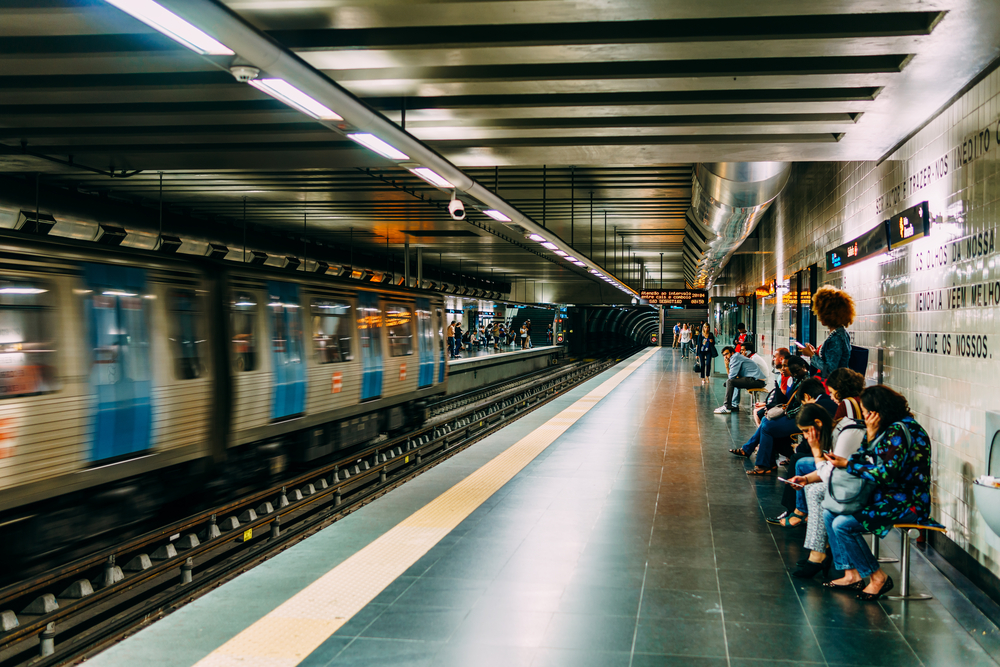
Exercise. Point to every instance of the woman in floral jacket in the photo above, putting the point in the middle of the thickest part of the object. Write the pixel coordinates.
(896, 455)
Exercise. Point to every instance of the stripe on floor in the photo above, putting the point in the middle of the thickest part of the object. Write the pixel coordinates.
(289, 633)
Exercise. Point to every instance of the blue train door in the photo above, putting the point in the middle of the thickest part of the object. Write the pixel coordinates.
(425, 343)
(442, 340)
(117, 317)
(370, 333)
(288, 396)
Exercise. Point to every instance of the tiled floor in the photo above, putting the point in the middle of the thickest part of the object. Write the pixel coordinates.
(635, 539)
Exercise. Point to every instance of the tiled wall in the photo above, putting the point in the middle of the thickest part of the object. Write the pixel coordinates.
(826, 204)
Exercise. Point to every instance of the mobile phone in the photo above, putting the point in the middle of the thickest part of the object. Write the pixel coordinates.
(798, 344)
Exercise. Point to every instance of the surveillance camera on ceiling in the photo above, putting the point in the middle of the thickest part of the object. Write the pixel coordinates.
(456, 208)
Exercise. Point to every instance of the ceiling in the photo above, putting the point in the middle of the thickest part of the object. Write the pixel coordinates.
(576, 113)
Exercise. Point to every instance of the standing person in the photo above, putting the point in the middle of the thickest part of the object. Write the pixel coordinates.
(451, 340)
(458, 338)
(743, 373)
(742, 336)
(706, 352)
(527, 330)
(549, 334)
(677, 335)
(497, 332)
(834, 309)
(685, 341)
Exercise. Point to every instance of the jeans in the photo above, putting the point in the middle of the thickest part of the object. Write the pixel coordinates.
(740, 383)
(803, 467)
(705, 360)
(769, 430)
(847, 542)
(451, 346)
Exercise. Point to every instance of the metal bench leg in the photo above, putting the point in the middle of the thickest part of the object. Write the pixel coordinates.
(904, 567)
(875, 548)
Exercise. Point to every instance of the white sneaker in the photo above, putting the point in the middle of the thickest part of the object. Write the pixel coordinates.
(722, 410)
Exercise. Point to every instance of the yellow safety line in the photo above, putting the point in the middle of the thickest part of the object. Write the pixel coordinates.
(289, 633)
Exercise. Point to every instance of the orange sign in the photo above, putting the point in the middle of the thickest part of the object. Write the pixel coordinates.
(402, 372)
(6, 438)
(336, 384)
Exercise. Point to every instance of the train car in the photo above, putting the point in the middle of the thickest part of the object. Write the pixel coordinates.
(129, 379)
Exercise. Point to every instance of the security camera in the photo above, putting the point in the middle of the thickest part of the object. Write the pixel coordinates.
(243, 73)
(456, 208)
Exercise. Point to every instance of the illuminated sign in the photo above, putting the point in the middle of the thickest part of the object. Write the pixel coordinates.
(910, 225)
(680, 298)
(871, 243)
(765, 291)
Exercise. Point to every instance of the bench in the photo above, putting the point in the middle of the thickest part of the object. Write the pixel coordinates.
(906, 531)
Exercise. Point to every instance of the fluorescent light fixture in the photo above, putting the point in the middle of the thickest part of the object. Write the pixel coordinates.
(579, 263)
(295, 98)
(431, 177)
(561, 253)
(244, 303)
(500, 217)
(537, 237)
(22, 290)
(173, 26)
(571, 259)
(118, 293)
(550, 245)
(372, 142)
(595, 272)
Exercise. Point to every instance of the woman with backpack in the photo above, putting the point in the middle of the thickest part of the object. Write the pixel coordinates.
(894, 461)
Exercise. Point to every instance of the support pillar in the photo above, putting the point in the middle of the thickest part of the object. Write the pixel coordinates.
(406, 263)
(420, 268)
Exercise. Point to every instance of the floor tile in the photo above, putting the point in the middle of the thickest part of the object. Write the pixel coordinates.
(422, 624)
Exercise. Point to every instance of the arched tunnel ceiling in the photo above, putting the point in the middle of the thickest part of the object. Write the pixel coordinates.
(552, 105)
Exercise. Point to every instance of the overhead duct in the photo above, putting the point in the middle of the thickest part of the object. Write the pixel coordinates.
(728, 199)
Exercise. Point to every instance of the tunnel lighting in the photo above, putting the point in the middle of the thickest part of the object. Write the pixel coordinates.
(247, 303)
(295, 98)
(118, 293)
(22, 290)
(579, 263)
(431, 177)
(173, 26)
(372, 142)
(571, 259)
(561, 253)
(550, 245)
(537, 237)
(500, 217)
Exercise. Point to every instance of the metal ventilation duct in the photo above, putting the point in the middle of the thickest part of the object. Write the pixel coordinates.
(728, 199)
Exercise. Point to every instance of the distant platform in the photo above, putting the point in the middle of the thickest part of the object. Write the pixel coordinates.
(482, 367)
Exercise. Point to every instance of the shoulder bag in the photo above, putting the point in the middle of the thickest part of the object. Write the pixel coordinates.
(847, 493)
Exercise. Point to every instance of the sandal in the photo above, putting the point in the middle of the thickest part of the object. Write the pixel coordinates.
(786, 522)
(871, 597)
(757, 470)
(739, 452)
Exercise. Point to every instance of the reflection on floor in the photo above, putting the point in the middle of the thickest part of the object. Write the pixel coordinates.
(636, 539)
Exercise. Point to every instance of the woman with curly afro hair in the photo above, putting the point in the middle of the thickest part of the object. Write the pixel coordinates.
(834, 309)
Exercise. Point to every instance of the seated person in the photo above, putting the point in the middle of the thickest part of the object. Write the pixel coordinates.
(743, 373)
(779, 392)
(895, 454)
(763, 439)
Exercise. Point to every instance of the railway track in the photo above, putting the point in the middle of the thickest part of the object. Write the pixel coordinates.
(76, 609)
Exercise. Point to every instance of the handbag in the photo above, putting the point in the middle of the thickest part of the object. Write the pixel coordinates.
(697, 367)
(847, 493)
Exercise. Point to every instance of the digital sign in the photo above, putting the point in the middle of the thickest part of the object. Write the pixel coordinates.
(869, 244)
(766, 291)
(682, 298)
(910, 225)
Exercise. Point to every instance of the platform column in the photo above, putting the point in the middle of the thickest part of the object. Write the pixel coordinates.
(406, 263)
(420, 267)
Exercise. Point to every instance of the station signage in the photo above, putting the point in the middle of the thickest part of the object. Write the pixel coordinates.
(871, 243)
(912, 224)
(766, 291)
(681, 298)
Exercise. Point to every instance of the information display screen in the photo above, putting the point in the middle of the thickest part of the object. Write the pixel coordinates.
(912, 224)
(682, 297)
(869, 244)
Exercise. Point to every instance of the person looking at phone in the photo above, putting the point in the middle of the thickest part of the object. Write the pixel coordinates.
(895, 454)
(834, 309)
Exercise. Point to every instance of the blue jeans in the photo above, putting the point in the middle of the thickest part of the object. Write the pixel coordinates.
(803, 467)
(769, 430)
(750, 445)
(846, 537)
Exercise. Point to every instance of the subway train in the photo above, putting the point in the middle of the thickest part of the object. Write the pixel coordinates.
(133, 379)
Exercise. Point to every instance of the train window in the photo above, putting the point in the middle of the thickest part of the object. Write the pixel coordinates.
(27, 348)
(243, 319)
(399, 327)
(184, 308)
(286, 329)
(331, 331)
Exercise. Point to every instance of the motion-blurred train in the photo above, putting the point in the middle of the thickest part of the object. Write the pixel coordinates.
(129, 379)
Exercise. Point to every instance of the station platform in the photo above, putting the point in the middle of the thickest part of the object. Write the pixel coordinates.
(477, 368)
(609, 527)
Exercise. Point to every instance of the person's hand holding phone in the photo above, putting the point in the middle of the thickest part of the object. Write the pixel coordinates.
(837, 461)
